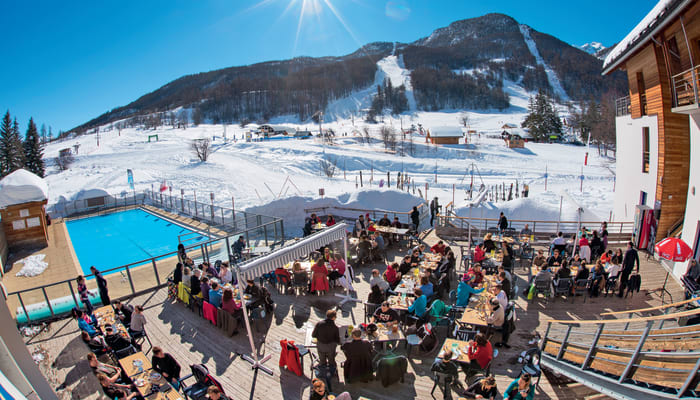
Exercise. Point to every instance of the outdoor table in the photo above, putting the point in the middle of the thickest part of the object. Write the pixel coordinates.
(144, 379)
(107, 310)
(473, 317)
(305, 265)
(257, 250)
(405, 286)
(318, 227)
(396, 303)
(106, 317)
(130, 368)
(462, 347)
(383, 334)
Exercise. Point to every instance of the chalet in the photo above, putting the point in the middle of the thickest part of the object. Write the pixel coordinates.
(272, 130)
(658, 123)
(23, 198)
(444, 135)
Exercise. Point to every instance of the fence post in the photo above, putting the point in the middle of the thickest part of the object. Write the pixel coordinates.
(265, 233)
(637, 350)
(131, 281)
(155, 270)
(593, 345)
(282, 229)
(182, 200)
(72, 293)
(196, 215)
(21, 303)
(48, 303)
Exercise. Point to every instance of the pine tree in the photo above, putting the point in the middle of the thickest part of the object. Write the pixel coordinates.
(50, 134)
(33, 157)
(17, 150)
(43, 133)
(542, 119)
(5, 140)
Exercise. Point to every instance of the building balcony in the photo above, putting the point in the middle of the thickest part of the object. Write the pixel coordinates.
(685, 92)
(622, 106)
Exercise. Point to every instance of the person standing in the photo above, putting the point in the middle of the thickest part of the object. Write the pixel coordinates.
(328, 338)
(358, 358)
(434, 208)
(415, 218)
(84, 294)
(631, 257)
(101, 286)
(502, 222)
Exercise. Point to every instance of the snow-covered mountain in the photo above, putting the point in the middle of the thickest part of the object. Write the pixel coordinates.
(592, 48)
(467, 65)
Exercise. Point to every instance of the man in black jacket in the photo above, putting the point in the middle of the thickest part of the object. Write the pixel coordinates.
(101, 286)
(328, 338)
(631, 257)
(166, 365)
(123, 311)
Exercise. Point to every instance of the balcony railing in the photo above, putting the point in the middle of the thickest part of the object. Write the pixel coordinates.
(622, 106)
(685, 88)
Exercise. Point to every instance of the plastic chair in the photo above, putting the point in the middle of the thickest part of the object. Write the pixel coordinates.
(610, 284)
(283, 282)
(143, 337)
(563, 286)
(580, 288)
(370, 308)
(464, 334)
(544, 287)
(532, 366)
(300, 282)
(440, 379)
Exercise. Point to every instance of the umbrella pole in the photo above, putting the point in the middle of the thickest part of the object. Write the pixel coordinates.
(256, 363)
(346, 294)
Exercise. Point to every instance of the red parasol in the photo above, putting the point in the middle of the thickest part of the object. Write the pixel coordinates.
(673, 249)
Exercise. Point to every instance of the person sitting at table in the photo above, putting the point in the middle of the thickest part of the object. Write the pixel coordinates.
(446, 366)
(392, 274)
(372, 227)
(613, 269)
(555, 259)
(421, 251)
(85, 322)
(385, 314)
(474, 276)
(606, 257)
(479, 254)
(229, 304)
(375, 296)
(195, 283)
(358, 358)
(598, 279)
(138, 322)
(378, 245)
(507, 260)
(520, 389)
(419, 305)
(526, 231)
(225, 274)
(545, 274)
(115, 390)
(123, 312)
(364, 248)
(360, 226)
(617, 256)
(464, 292)
(97, 367)
(215, 295)
(396, 223)
(426, 287)
(407, 264)
(505, 283)
(238, 248)
(327, 254)
(177, 274)
(575, 261)
(187, 277)
(496, 315)
(307, 229)
(95, 343)
(489, 244)
(446, 264)
(497, 291)
(583, 272)
(416, 257)
(300, 275)
(211, 270)
(378, 280)
(508, 275)
(165, 364)
(330, 221)
(480, 354)
(205, 287)
(584, 248)
(563, 272)
(282, 271)
(115, 340)
(484, 388)
(319, 392)
(214, 393)
(438, 248)
(539, 259)
(319, 277)
(384, 221)
(314, 219)
(252, 289)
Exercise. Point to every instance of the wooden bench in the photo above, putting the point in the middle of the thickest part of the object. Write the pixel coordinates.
(658, 308)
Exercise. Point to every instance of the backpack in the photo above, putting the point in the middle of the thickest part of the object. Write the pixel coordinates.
(267, 299)
(428, 339)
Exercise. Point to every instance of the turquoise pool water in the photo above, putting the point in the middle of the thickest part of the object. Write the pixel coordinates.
(112, 240)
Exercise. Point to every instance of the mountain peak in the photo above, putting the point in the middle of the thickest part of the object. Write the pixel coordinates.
(471, 28)
(592, 47)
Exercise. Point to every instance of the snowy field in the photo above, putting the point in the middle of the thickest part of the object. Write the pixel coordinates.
(281, 177)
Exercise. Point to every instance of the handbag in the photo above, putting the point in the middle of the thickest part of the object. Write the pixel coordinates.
(531, 292)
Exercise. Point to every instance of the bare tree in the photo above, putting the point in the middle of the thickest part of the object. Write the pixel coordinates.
(183, 118)
(201, 148)
(64, 159)
(329, 166)
(465, 119)
(366, 132)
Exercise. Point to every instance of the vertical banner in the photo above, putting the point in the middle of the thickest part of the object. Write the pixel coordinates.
(130, 178)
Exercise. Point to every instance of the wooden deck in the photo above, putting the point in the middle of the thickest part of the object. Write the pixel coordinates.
(191, 339)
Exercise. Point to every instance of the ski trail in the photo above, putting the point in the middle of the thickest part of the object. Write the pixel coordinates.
(551, 75)
(393, 68)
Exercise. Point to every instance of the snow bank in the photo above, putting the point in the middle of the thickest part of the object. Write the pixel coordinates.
(22, 186)
(292, 208)
(90, 193)
(33, 265)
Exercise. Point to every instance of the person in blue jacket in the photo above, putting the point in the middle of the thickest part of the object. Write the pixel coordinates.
(419, 305)
(464, 291)
(520, 389)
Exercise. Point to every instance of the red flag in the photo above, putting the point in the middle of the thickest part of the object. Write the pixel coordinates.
(163, 186)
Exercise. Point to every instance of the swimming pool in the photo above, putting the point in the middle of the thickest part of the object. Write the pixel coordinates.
(120, 238)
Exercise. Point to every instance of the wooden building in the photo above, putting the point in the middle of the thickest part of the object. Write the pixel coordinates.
(444, 135)
(515, 141)
(656, 125)
(23, 198)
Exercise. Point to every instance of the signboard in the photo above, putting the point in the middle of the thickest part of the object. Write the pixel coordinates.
(18, 225)
(130, 177)
(32, 222)
(321, 192)
(24, 213)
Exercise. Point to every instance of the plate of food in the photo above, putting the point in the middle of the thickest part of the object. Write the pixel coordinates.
(246, 296)
(137, 363)
(140, 382)
(155, 376)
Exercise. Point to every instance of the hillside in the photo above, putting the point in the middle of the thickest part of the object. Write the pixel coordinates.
(462, 66)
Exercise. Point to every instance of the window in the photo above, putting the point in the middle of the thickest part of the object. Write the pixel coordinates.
(642, 198)
(645, 149)
(641, 88)
(696, 248)
(674, 56)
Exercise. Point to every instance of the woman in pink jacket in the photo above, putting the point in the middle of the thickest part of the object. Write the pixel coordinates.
(319, 276)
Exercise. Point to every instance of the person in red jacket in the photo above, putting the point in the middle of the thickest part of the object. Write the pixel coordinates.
(479, 254)
(480, 353)
(330, 221)
(438, 248)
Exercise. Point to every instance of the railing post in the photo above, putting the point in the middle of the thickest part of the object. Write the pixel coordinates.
(637, 350)
(563, 342)
(593, 346)
(48, 303)
(72, 294)
(131, 282)
(282, 229)
(265, 233)
(546, 334)
(630, 316)
(695, 85)
(690, 379)
(21, 303)
(155, 270)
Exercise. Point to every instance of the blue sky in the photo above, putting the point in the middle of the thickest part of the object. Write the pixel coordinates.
(68, 62)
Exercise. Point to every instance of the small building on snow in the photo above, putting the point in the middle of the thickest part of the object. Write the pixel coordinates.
(23, 198)
(271, 130)
(444, 135)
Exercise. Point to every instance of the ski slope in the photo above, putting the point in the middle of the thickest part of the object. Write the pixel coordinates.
(551, 75)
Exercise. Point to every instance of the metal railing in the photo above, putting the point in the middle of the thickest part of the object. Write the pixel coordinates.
(622, 106)
(57, 299)
(100, 205)
(618, 232)
(685, 87)
(351, 213)
(585, 346)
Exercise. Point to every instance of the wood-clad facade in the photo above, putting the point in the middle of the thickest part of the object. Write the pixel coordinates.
(25, 224)
(669, 50)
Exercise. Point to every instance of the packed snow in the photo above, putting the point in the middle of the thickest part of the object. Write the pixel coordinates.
(551, 75)
(20, 187)
(32, 265)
